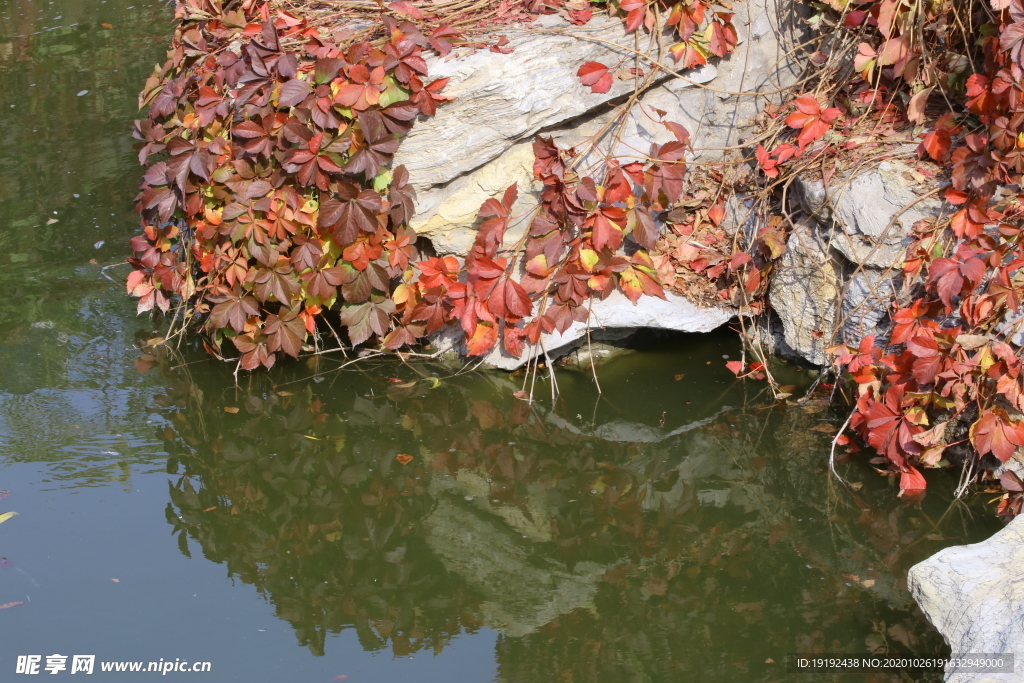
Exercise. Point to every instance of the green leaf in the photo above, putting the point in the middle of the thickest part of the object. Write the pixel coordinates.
(6, 516)
(382, 180)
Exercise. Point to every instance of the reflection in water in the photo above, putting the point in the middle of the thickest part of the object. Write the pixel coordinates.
(599, 550)
(68, 174)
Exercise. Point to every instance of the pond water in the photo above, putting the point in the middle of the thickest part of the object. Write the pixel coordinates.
(679, 526)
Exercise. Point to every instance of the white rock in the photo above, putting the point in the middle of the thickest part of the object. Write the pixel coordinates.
(502, 99)
(479, 144)
(974, 596)
(614, 313)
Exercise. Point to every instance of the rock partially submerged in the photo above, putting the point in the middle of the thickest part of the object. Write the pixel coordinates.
(974, 596)
(611, 318)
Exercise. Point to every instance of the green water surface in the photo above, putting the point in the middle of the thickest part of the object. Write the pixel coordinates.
(672, 529)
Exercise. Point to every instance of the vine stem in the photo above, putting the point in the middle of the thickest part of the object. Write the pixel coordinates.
(832, 453)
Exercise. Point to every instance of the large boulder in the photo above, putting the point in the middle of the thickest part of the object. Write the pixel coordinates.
(974, 596)
(480, 143)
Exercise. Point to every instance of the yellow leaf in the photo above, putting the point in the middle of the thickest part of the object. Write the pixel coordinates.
(588, 257)
(6, 516)
(985, 358)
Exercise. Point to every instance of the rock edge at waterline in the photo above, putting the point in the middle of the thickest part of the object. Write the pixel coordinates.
(974, 596)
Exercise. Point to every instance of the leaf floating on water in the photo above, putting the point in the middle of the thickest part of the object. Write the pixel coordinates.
(230, 409)
(7, 605)
(823, 428)
(211, 508)
(867, 583)
(6, 516)
(4, 494)
(679, 376)
(105, 25)
(403, 458)
(116, 580)
(51, 221)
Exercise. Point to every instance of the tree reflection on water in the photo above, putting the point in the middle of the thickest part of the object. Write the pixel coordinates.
(597, 550)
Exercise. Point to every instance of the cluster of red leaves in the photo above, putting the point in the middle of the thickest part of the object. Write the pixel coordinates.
(716, 39)
(946, 375)
(698, 255)
(268, 199)
(571, 252)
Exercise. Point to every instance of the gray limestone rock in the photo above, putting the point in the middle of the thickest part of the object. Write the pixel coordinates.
(804, 292)
(974, 596)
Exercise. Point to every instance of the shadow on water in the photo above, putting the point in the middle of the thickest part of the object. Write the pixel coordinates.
(680, 528)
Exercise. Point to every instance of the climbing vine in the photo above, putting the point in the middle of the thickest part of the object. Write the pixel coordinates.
(944, 384)
(269, 200)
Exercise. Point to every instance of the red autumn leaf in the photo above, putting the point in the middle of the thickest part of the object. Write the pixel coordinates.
(939, 142)
(911, 321)
(889, 432)
(923, 346)
(911, 481)
(765, 161)
(716, 213)
(483, 338)
(735, 367)
(405, 8)
(439, 39)
(635, 11)
(997, 434)
(811, 119)
(723, 38)
(948, 276)
(595, 75)
(607, 227)
(579, 17)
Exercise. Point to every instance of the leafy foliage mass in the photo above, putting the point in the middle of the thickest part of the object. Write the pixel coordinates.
(945, 381)
(269, 199)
